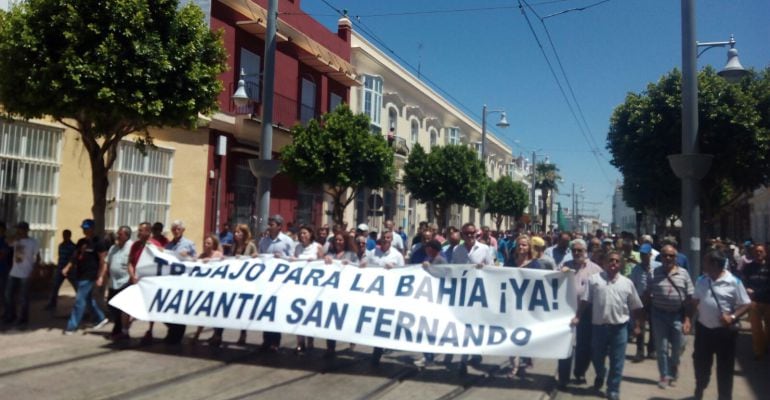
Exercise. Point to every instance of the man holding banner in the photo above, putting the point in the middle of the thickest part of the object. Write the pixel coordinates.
(470, 252)
(278, 244)
(385, 256)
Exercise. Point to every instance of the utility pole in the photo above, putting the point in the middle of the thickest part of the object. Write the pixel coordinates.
(533, 206)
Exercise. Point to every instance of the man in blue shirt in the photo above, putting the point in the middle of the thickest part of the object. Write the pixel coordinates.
(66, 250)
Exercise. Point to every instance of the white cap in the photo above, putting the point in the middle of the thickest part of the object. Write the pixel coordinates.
(363, 227)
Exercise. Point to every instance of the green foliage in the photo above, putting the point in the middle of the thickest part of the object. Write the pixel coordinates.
(339, 152)
(447, 175)
(108, 68)
(546, 179)
(505, 197)
(734, 126)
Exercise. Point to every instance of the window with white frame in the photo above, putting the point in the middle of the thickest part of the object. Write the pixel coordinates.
(415, 131)
(307, 109)
(30, 163)
(392, 120)
(453, 135)
(433, 137)
(140, 186)
(372, 98)
(251, 66)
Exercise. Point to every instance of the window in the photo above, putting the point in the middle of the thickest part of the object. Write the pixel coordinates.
(251, 65)
(334, 101)
(392, 121)
(140, 186)
(30, 161)
(453, 135)
(307, 109)
(415, 131)
(477, 147)
(372, 98)
(433, 137)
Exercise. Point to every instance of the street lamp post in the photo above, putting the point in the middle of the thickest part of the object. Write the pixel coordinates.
(264, 168)
(691, 166)
(503, 123)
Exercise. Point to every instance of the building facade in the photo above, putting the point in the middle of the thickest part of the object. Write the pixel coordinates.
(406, 110)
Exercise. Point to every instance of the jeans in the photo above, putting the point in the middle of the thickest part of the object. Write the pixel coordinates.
(668, 331)
(640, 337)
(710, 342)
(609, 340)
(83, 299)
(14, 285)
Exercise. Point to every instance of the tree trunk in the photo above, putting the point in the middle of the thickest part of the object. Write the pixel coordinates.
(99, 184)
(498, 221)
(544, 226)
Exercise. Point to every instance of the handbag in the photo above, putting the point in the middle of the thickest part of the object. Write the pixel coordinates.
(735, 326)
(681, 298)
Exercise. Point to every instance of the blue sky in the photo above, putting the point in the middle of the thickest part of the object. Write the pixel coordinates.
(491, 57)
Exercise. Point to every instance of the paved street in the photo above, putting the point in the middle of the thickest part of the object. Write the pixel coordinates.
(41, 363)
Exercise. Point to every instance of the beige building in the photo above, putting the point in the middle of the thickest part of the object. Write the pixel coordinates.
(400, 104)
(45, 179)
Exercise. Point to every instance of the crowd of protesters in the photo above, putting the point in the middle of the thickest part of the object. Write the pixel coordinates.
(629, 289)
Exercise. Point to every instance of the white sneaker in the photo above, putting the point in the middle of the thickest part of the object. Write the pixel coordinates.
(422, 363)
(101, 324)
(68, 333)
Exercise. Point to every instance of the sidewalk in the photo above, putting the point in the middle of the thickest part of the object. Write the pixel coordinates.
(751, 380)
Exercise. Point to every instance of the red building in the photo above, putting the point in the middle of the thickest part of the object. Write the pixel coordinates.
(312, 75)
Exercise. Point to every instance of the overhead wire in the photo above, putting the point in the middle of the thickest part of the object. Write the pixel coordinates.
(588, 138)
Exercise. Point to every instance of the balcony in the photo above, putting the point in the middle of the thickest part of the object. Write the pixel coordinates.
(285, 109)
(400, 146)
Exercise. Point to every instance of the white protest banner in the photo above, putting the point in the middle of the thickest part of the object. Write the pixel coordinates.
(442, 309)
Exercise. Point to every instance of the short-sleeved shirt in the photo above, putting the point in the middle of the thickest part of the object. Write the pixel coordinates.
(611, 301)
(86, 258)
(582, 274)
(117, 262)
(380, 258)
(66, 250)
(757, 277)
(558, 254)
(548, 262)
(24, 257)
(478, 254)
(181, 248)
(281, 244)
(642, 276)
(730, 292)
(226, 241)
(136, 250)
(668, 297)
(309, 252)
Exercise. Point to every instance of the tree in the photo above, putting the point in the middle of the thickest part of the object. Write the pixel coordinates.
(108, 69)
(451, 174)
(734, 126)
(546, 178)
(505, 197)
(340, 152)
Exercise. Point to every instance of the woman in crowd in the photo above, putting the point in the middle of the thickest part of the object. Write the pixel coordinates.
(523, 258)
(342, 249)
(308, 249)
(211, 251)
(243, 246)
(721, 299)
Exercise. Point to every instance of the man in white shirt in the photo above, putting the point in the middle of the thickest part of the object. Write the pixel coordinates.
(117, 267)
(470, 252)
(25, 257)
(384, 256)
(398, 243)
(612, 298)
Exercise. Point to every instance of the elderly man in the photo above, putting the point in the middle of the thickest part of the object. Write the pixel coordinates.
(278, 244)
(117, 267)
(612, 298)
(671, 290)
(183, 248)
(397, 242)
(583, 269)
